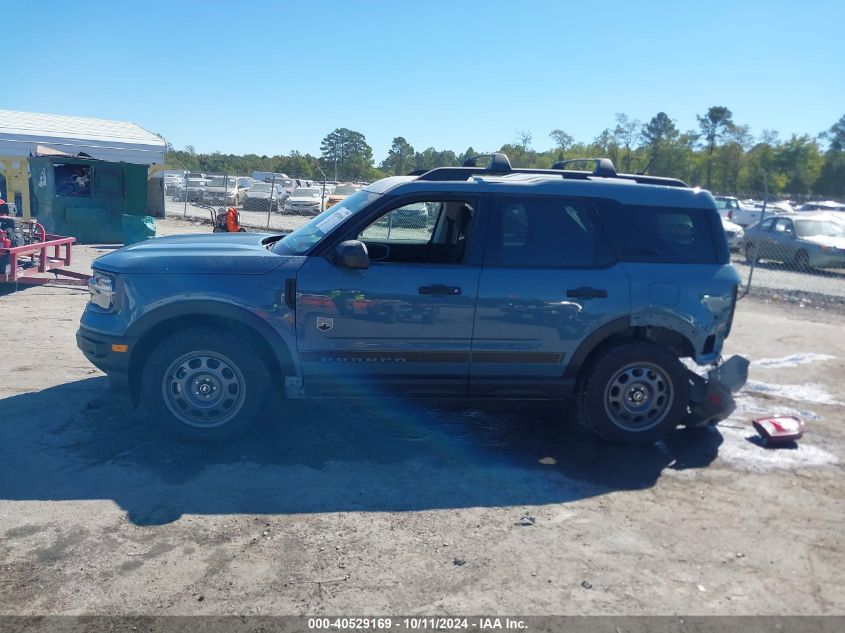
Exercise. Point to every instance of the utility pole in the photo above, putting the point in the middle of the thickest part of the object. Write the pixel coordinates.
(323, 199)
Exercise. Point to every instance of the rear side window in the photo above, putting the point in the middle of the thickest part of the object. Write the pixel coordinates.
(660, 234)
(547, 232)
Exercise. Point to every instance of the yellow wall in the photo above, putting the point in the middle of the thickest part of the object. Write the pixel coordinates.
(16, 171)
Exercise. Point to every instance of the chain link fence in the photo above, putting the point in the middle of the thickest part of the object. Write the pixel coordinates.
(783, 252)
(275, 202)
(792, 251)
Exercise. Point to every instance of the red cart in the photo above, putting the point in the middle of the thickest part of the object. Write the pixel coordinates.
(35, 251)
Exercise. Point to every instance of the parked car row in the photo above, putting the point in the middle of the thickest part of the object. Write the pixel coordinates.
(270, 192)
(748, 212)
(803, 241)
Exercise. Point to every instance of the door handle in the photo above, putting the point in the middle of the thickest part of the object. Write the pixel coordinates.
(585, 292)
(439, 289)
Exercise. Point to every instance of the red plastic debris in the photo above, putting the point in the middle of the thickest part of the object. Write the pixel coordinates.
(780, 428)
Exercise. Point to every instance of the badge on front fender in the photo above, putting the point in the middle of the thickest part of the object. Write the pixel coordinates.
(324, 324)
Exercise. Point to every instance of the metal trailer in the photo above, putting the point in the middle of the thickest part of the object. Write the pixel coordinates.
(40, 253)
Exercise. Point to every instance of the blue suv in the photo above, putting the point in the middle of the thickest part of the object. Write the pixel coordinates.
(583, 286)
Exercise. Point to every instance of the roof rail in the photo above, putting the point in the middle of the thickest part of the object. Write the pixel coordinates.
(499, 164)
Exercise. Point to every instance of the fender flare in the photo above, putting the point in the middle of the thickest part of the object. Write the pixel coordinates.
(279, 348)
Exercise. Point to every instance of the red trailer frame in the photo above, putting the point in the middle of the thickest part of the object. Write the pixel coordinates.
(12, 273)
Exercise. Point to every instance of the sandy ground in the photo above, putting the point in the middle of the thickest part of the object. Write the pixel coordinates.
(361, 507)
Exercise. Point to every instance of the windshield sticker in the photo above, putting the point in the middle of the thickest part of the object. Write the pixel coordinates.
(334, 219)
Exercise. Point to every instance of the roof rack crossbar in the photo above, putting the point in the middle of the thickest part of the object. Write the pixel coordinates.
(499, 164)
(603, 166)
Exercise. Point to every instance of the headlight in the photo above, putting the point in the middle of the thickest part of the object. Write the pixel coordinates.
(101, 286)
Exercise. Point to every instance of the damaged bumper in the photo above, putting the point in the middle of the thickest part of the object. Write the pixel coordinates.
(711, 398)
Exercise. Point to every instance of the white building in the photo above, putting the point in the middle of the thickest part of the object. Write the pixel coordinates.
(23, 133)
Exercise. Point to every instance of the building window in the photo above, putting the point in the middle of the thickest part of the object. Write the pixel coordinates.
(72, 181)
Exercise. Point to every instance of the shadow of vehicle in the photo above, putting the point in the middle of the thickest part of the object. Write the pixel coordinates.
(78, 441)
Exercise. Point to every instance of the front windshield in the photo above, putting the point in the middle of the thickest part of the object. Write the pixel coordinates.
(345, 190)
(260, 187)
(309, 235)
(818, 228)
(305, 192)
(196, 183)
(221, 182)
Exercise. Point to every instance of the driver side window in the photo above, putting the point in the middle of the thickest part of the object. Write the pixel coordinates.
(430, 231)
(410, 224)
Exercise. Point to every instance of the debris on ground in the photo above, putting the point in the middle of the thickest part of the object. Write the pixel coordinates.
(586, 585)
(459, 562)
(526, 520)
(779, 429)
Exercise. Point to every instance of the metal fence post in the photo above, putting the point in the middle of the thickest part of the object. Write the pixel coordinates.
(754, 254)
(270, 204)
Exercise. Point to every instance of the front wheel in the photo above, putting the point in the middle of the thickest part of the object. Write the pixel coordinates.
(634, 393)
(202, 383)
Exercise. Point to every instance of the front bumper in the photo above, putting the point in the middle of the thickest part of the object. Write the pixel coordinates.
(99, 349)
(711, 399)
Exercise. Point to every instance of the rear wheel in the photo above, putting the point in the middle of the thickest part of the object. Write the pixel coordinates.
(200, 383)
(633, 393)
(802, 261)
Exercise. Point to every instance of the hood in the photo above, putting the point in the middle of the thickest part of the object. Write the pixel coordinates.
(220, 189)
(259, 194)
(826, 240)
(295, 198)
(207, 253)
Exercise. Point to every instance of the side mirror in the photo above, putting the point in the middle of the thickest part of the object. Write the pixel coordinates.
(352, 254)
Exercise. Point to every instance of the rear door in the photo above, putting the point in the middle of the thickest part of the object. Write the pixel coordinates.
(549, 280)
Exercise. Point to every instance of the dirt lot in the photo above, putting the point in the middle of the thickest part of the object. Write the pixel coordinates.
(366, 507)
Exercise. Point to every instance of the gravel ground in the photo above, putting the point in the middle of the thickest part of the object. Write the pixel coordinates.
(415, 507)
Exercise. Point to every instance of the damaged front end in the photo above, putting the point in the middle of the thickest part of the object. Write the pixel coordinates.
(711, 399)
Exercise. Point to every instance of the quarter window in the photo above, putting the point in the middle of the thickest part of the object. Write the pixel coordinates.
(660, 234)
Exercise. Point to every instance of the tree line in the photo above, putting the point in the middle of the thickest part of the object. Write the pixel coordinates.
(719, 154)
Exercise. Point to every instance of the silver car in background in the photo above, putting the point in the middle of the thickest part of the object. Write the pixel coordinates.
(802, 241)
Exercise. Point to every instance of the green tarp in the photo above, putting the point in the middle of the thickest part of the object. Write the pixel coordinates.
(137, 228)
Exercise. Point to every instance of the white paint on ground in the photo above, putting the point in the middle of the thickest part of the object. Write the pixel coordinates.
(739, 453)
(793, 360)
(810, 392)
(748, 406)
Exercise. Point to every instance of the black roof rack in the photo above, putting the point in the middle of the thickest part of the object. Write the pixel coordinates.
(499, 164)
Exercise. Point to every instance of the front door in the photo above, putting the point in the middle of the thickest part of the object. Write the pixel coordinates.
(549, 280)
(403, 325)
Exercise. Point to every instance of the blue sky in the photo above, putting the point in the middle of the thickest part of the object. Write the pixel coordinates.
(269, 77)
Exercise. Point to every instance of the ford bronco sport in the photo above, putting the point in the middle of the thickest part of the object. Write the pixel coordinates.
(583, 286)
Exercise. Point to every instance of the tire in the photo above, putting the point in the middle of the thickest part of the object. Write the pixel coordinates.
(633, 393)
(801, 261)
(750, 254)
(183, 366)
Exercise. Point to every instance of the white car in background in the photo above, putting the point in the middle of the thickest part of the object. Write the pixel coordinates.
(748, 213)
(823, 205)
(305, 201)
(734, 233)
